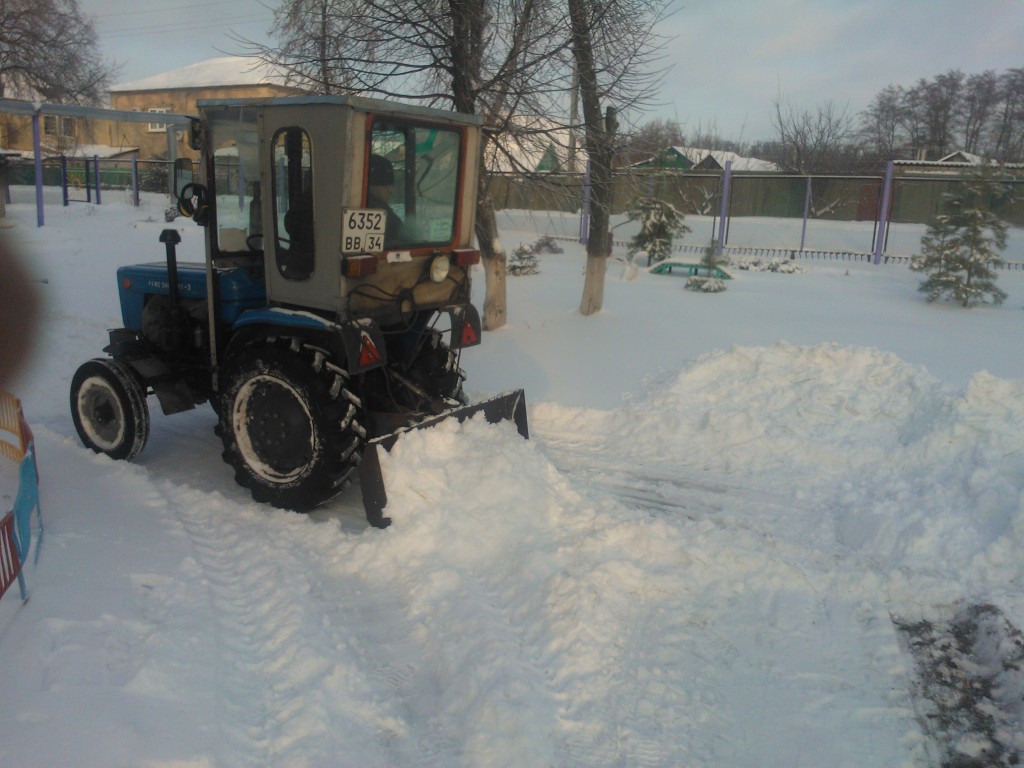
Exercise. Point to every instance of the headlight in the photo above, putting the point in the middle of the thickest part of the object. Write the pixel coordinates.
(439, 268)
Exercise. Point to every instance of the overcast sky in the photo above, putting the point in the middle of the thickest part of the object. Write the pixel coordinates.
(730, 59)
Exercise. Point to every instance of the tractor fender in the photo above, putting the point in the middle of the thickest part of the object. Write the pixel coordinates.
(129, 348)
(359, 342)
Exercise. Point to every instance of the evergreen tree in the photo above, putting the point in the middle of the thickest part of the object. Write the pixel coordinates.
(711, 259)
(709, 283)
(960, 250)
(524, 261)
(660, 222)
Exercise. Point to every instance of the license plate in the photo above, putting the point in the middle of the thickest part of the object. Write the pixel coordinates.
(362, 230)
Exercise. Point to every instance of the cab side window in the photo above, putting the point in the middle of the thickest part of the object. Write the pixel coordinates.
(293, 203)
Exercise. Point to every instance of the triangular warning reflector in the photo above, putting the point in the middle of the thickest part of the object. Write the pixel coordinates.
(469, 335)
(368, 352)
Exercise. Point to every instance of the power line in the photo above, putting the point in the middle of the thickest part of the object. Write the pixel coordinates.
(150, 11)
(183, 26)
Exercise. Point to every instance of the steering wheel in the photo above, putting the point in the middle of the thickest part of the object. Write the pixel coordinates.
(192, 203)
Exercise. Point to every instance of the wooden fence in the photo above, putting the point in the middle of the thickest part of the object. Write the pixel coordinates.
(915, 199)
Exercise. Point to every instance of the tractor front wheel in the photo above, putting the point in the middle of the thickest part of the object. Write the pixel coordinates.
(290, 426)
(108, 406)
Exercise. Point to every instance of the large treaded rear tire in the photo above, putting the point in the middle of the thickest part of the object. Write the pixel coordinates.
(108, 406)
(290, 427)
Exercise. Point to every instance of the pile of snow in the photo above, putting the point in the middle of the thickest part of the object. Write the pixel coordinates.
(695, 560)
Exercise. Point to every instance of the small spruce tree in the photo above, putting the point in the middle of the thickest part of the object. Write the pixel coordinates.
(711, 259)
(961, 248)
(524, 261)
(709, 283)
(660, 222)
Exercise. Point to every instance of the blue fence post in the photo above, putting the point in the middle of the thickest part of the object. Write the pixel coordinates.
(883, 214)
(724, 207)
(38, 150)
(64, 179)
(585, 214)
(96, 164)
(135, 179)
(807, 211)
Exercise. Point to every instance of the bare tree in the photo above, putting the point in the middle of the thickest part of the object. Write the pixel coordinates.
(318, 42)
(651, 138)
(881, 124)
(1008, 130)
(48, 49)
(940, 101)
(812, 141)
(982, 114)
(978, 107)
(599, 141)
(613, 48)
(506, 60)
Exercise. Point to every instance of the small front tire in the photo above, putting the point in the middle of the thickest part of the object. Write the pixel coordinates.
(108, 406)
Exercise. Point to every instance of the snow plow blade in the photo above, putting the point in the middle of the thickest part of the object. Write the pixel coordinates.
(511, 405)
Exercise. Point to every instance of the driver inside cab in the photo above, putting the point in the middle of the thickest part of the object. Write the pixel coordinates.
(380, 188)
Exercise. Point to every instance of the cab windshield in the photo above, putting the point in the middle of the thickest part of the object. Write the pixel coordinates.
(413, 176)
(236, 179)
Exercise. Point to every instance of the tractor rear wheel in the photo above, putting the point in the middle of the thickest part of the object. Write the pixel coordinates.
(290, 427)
(108, 406)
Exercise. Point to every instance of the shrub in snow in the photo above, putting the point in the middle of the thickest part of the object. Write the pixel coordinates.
(660, 222)
(547, 244)
(784, 266)
(705, 284)
(960, 249)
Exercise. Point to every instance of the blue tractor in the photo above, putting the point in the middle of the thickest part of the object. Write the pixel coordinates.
(332, 305)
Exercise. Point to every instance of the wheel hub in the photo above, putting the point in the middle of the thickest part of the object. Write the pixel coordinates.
(103, 418)
(274, 427)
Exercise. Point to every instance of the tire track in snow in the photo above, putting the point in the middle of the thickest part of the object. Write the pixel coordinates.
(768, 576)
(290, 690)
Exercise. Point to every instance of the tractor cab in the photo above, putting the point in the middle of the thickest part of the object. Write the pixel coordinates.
(341, 200)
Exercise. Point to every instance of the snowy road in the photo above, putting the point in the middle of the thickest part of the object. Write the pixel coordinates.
(703, 574)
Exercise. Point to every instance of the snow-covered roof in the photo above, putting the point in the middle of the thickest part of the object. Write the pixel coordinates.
(101, 151)
(709, 159)
(532, 143)
(226, 70)
(962, 157)
(721, 157)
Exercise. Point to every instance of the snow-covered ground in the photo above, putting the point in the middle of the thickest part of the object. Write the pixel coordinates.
(696, 560)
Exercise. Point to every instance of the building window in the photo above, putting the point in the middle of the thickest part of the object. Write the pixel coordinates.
(157, 127)
(59, 127)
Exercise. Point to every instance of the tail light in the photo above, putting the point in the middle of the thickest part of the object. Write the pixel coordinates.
(466, 257)
(358, 266)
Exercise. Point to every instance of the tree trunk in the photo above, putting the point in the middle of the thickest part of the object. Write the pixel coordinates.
(599, 136)
(598, 237)
(495, 312)
(593, 285)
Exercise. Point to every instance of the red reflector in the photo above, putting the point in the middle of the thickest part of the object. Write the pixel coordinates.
(357, 266)
(368, 352)
(466, 257)
(469, 335)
